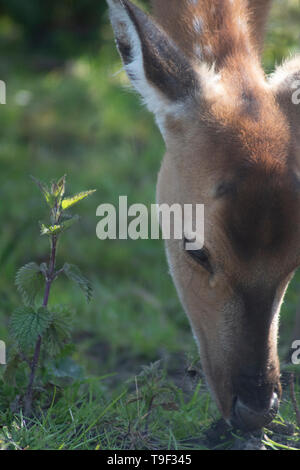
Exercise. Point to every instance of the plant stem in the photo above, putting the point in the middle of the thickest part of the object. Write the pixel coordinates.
(35, 360)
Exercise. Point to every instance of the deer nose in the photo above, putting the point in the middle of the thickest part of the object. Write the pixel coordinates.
(249, 419)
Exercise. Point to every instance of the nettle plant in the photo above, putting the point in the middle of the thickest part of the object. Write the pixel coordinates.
(36, 326)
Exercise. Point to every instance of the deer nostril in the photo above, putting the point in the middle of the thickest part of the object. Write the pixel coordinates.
(248, 419)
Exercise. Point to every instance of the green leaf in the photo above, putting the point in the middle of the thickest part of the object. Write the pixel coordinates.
(70, 201)
(59, 331)
(58, 189)
(74, 274)
(56, 229)
(50, 199)
(29, 281)
(68, 223)
(50, 230)
(28, 324)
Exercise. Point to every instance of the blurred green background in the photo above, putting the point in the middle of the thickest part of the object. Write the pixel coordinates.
(68, 112)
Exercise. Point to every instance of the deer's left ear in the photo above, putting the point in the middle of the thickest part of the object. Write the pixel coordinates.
(157, 68)
(285, 83)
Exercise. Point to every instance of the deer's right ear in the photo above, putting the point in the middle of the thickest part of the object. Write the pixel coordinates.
(285, 83)
(158, 70)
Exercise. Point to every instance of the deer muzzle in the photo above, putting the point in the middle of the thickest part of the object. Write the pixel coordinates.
(250, 419)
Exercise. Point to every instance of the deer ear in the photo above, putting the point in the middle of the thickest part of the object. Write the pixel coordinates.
(285, 83)
(156, 67)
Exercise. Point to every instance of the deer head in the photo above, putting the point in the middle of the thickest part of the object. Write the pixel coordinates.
(232, 140)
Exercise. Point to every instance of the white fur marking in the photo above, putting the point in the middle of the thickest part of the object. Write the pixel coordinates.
(198, 24)
(156, 102)
(211, 81)
(242, 24)
(208, 50)
(284, 71)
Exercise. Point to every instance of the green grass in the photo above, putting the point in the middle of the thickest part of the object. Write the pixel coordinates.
(80, 120)
(89, 420)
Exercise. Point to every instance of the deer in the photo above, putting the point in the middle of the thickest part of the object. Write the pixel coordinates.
(232, 139)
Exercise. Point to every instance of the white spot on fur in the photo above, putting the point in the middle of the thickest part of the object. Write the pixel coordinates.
(208, 50)
(242, 24)
(198, 24)
(211, 82)
(282, 74)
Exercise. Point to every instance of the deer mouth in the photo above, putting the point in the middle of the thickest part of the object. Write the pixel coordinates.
(247, 419)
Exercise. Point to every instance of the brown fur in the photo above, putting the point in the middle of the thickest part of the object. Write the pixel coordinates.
(232, 144)
(248, 134)
(258, 13)
(221, 33)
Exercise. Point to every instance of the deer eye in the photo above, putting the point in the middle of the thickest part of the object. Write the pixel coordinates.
(201, 256)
